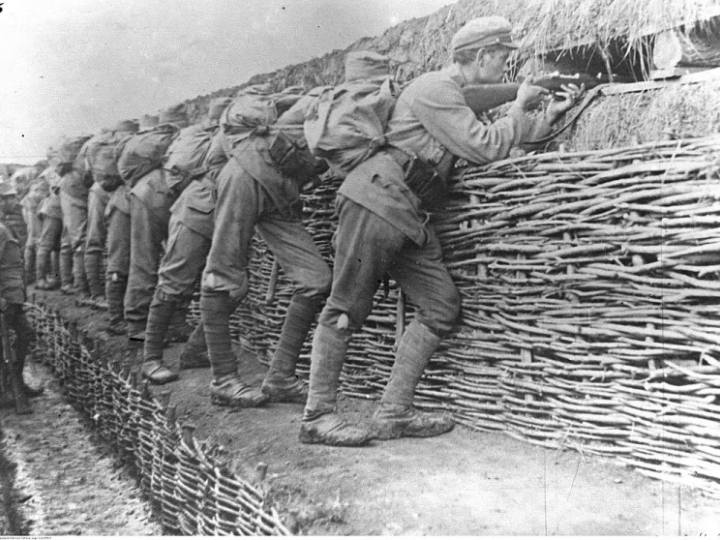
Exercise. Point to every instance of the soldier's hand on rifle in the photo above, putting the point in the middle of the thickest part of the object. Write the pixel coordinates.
(529, 96)
(563, 101)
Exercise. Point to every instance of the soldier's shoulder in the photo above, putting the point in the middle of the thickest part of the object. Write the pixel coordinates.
(430, 81)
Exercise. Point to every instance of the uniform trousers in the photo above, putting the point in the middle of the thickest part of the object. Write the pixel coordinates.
(150, 203)
(75, 218)
(117, 224)
(244, 206)
(366, 249)
(96, 228)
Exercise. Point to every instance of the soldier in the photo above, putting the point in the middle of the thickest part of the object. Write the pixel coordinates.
(74, 190)
(48, 246)
(95, 240)
(24, 178)
(256, 192)
(384, 227)
(117, 223)
(150, 202)
(12, 213)
(189, 236)
(38, 191)
(96, 237)
(12, 285)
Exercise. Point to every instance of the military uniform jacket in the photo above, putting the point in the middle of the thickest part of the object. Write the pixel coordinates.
(195, 208)
(253, 156)
(119, 200)
(50, 207)
(431, 120)
(76, 186)
(12, 285)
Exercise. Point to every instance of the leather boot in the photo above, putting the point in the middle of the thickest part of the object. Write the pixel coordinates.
(281, 384)
(320, 423)
(195, 354)
(79, 277)
(115, 292)
(395, 416)
(227, 389)
(66, 271)
(157, 372)
(54, 279)
(93, 273)
(42, 266)
(231, 391)
(161, 311)
(92, 263)
(30, 262)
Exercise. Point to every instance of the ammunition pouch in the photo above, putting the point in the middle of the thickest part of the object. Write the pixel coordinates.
(421, 177)
(291, 156)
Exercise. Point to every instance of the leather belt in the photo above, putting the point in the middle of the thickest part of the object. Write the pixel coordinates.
(420, 177)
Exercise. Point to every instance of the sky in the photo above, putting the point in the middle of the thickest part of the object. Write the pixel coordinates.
(74, 66)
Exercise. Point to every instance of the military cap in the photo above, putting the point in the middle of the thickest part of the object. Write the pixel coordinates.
(366, 65)
(484, 32)
(255, 89)
(148, 121)
(176, 114)
(126, 125)
(217, 106)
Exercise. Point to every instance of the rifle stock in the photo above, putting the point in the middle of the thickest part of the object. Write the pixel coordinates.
(485, 97)
(22, 405)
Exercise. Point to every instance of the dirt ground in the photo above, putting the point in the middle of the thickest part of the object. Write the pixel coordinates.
(462, 483)
(66, 482)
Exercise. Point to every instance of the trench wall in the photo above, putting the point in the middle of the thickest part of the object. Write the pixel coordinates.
(590, 306)
(196, 491)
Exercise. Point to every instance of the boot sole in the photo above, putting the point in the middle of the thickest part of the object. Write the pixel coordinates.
(309, 438)
(389, 432)
(183, 367)
(236, 404)
(285, 398)
(160, 382)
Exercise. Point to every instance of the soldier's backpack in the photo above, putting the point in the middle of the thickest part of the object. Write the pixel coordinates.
(253, 110)
(145, 152)
(69, 149)
(288, 147)
(276, 116)
(194, 152)
(346, 124)
(103, 152)
(81, 165)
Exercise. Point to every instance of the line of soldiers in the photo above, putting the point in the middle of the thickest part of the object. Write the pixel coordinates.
(385, 227)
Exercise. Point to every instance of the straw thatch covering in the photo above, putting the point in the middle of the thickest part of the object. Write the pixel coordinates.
(421, 44)
(618, 117)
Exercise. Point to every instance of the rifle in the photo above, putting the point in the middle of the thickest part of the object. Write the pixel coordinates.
(8, 371)
(484, 97)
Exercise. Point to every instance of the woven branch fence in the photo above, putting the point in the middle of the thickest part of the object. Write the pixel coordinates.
(591, 300)
(196, 490)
